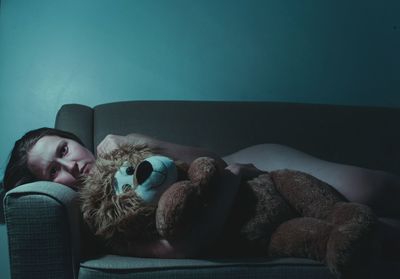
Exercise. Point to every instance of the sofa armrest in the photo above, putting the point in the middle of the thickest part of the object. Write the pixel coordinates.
(43, 226)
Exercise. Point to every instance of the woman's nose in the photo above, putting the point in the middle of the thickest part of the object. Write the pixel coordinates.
(71, 166)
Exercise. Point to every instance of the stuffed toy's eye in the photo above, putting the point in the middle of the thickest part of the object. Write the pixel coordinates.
(129, 170)
(126, 188)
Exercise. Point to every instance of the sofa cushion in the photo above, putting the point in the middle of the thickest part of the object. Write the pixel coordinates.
(112, 266)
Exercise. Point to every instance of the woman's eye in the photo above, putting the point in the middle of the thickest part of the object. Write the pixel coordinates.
(53, 172)
(63, 151)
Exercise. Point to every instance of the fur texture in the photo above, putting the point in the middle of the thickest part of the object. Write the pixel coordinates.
(117, 220)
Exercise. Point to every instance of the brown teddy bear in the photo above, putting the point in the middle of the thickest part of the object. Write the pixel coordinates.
(134, 195)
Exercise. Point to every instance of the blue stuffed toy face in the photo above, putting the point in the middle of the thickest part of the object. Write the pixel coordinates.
(148, 180)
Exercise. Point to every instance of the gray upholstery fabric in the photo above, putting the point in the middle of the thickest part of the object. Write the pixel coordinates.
(129, 267)
(77, 119)
(43, 231)
(2, 195)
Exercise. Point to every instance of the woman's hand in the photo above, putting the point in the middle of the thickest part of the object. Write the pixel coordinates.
(110, 143)
(245, 171)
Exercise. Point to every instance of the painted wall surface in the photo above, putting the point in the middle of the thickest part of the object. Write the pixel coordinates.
(54, 52)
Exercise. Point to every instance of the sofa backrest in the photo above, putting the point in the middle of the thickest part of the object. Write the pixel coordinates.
(364, 136)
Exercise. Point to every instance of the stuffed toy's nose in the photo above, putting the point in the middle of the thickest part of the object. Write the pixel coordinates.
(143, 171)
(153, 176)
(149, 180)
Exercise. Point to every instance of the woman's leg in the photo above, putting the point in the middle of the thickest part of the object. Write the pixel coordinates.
(377, 189)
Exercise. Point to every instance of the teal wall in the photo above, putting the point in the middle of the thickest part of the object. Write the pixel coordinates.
(61, 51)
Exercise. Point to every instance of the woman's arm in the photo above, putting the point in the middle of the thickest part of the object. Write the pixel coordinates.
(173, 150)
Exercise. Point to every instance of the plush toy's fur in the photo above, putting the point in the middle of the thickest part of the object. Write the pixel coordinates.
(117, 219)
(281, 213)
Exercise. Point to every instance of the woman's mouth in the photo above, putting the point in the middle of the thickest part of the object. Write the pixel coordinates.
(85, 169)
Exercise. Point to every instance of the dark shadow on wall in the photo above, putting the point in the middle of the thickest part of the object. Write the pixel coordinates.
(2, 194)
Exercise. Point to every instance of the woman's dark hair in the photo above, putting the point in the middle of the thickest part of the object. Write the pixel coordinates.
(17, 171)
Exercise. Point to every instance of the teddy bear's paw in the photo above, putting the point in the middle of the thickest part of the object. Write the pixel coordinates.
(353, 213)
(177, 209)
(203, 172)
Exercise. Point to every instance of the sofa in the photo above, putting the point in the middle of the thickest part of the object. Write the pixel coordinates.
(47, 238)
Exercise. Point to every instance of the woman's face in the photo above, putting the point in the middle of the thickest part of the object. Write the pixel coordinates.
(60, 160)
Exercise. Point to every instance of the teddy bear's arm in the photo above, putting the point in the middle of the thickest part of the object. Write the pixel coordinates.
(209, 221)
(309, 196)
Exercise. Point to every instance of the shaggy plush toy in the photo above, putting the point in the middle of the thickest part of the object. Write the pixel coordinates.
(133, 195)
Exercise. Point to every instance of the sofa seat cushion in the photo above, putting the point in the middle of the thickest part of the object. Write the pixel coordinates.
(112, 266)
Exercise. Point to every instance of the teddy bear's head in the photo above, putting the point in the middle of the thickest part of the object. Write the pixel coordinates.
(120, 195)
(149, 179)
